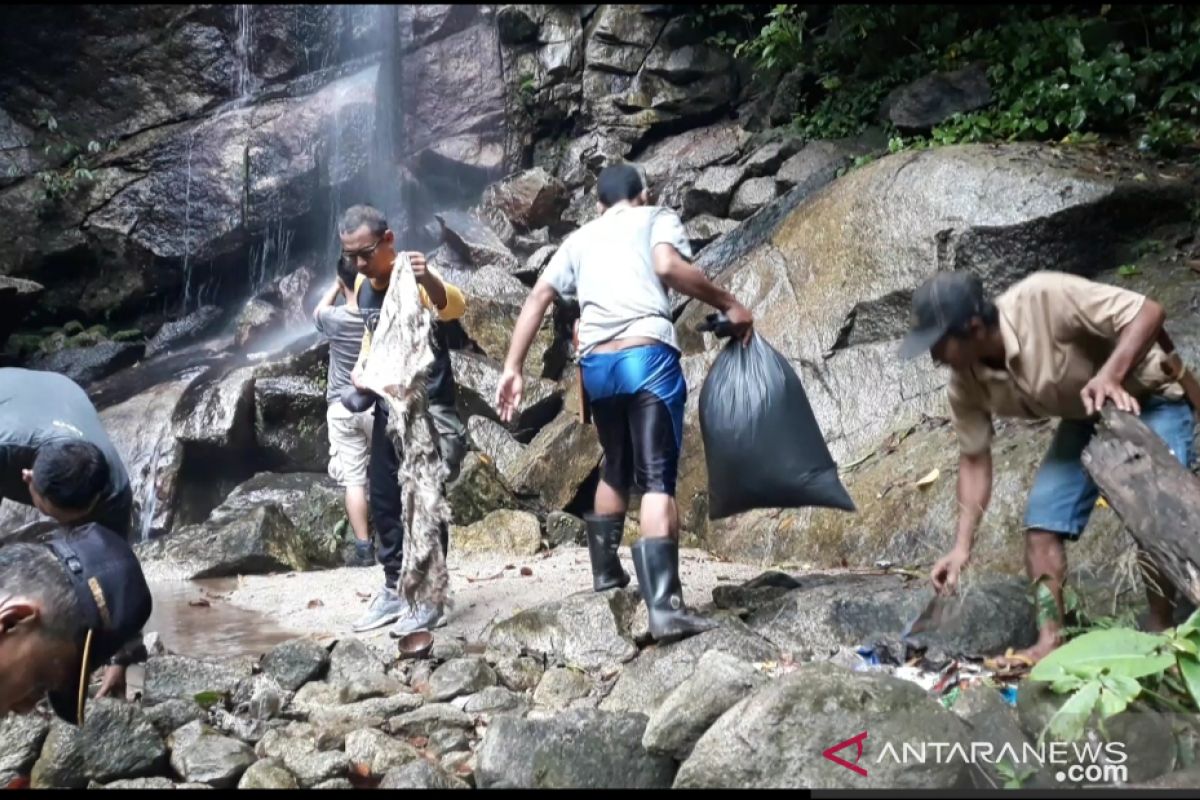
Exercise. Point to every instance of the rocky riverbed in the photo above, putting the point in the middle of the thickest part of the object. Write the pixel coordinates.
(533, 683)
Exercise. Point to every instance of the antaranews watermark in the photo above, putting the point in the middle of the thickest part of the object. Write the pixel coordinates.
(1076, 762)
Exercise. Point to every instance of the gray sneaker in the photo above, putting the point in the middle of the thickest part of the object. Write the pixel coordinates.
(386, 607)
(421, 617)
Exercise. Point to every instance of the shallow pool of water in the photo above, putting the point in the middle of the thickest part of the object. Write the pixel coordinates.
(193, 619)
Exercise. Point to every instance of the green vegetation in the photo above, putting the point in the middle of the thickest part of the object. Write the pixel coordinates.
(1071, 72)
(1106, 669)
(79, 161)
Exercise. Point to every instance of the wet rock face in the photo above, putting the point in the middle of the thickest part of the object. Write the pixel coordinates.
(86, 365)
(289, 422)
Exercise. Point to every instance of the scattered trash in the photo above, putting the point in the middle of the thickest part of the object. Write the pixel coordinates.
(201, 603)
(1009, 693)
(883, 564)
(951, 697)
(488, 578)
(1101, 502)
(930, 479)
(415, 645)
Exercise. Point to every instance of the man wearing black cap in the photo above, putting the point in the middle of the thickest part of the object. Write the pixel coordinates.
(66, 607)
(56, 456)
(1052, 345)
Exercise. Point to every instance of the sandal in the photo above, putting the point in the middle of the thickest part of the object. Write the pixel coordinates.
(1009, 664)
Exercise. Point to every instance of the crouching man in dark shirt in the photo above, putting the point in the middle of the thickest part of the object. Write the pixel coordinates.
(67, 606)
(56, 457)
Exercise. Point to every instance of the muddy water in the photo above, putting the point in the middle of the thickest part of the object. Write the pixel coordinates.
(193, 619)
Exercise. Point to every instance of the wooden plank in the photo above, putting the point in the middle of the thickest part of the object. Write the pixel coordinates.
(1153, 494)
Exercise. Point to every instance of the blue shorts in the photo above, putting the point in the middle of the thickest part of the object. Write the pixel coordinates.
(637, 396)
(1063, 494)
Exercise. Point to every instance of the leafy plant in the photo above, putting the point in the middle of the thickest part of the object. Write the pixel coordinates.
(1059, 73)
(1106, 670)
(78, 162)
(207, 700)
(1128, 270)
(1013, 779)
(779, 45)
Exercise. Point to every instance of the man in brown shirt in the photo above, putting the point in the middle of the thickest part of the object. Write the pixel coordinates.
(1052, 345)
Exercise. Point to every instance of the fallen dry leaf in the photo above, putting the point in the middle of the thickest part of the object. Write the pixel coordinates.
(488, 578)
(363, 595)
(315, 603)
(929, 479)
(526, 572)
(201, 603)
(510, 566)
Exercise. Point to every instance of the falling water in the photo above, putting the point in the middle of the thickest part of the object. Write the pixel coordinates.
(187, 225)
(150, 489)
(242, 48)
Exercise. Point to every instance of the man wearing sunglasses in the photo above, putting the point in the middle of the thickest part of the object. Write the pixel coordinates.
(370, 247)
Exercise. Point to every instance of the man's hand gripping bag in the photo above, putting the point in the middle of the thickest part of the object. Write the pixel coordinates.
(762, 443)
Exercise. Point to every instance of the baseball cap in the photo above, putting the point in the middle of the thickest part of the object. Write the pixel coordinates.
(114, 601)
(945, 302)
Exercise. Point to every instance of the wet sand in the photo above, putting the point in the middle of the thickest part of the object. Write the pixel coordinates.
(248, 615)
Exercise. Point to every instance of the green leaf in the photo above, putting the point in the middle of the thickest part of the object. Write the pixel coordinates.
(1190, 625)
(1047, 606)
(1070, 721)
(1116, 694)
(1189, 669)
(1067, 683)
(1119, 651)
(1182, 645)
(1078, 117)
(208, 699)
(1128, 270)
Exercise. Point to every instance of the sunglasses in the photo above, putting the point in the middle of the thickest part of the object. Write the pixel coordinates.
(351, 257)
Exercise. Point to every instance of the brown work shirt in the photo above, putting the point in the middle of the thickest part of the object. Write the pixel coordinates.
(1058, 331)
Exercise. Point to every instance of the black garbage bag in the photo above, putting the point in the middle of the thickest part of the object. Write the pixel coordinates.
(762, 443)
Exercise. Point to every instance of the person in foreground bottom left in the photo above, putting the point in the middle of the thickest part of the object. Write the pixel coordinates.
(66, 607)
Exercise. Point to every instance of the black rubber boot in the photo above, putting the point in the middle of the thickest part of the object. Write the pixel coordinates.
(604, 533)
(657, 564)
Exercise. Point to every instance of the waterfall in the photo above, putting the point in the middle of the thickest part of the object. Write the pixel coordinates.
(187, 225)
(380, 185)
(242, 47)
(150, 489)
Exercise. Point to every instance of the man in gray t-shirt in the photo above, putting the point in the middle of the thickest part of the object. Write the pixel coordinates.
(349, 432)
(620, 267)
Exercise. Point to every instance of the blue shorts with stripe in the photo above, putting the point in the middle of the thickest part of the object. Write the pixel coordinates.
(637, 397)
